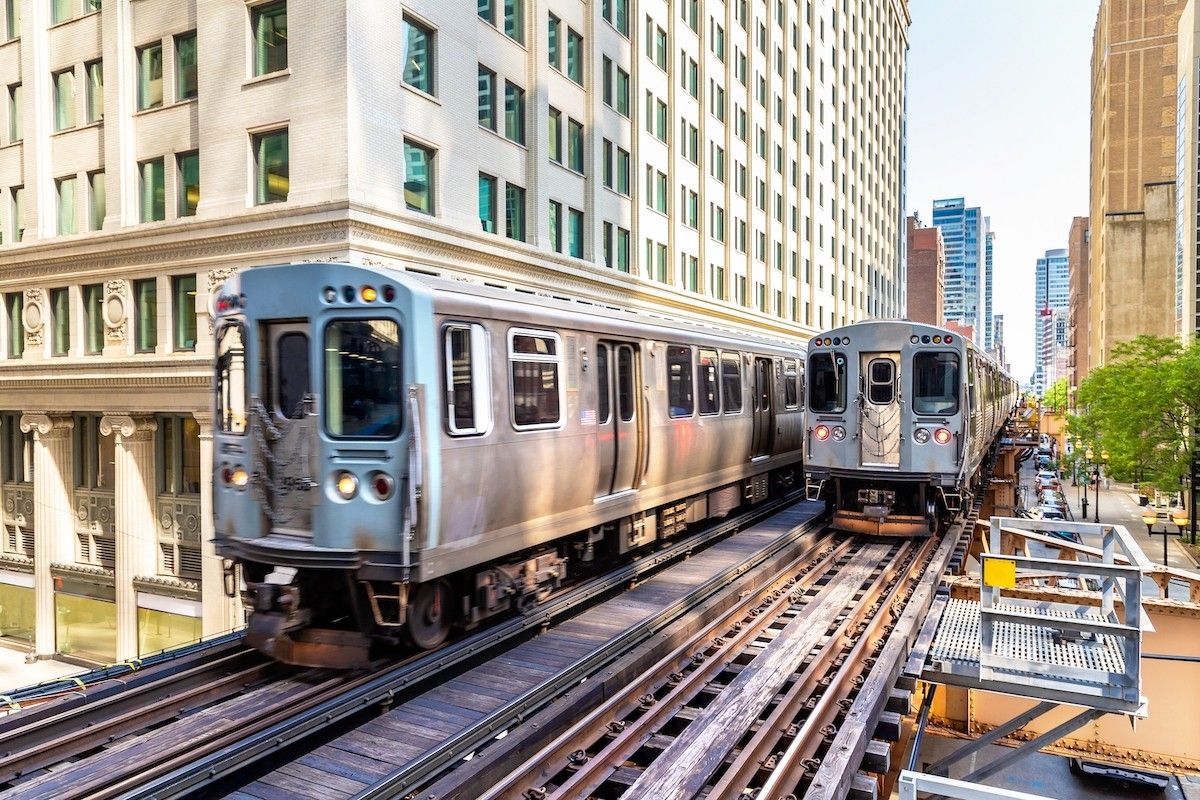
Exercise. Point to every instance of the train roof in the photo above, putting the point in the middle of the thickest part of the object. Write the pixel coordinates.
(910, 327)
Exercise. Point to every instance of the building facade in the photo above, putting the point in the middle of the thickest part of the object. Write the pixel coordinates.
(1078, 280)
(989, 239)
(965, 232)
(1051, 295)
(1134, 99)
(998, 352)
(926, 281)
(1187, 176)
(734, 162)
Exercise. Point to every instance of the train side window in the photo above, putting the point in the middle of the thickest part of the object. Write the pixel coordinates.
(468, 380)
(731, 382)
(710, 393)
(680, 396)
(231, 378)
(881, 389)
(791, 384)
(827, 383)
(625, 391)
(535, 361)
(935, 383)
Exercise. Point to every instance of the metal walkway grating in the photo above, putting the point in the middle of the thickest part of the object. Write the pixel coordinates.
(957, 640)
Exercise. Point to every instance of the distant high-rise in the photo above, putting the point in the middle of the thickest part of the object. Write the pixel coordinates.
(926, 284)
(997, 350)
(1187, 177)
(1077, 338)
(1132, 242)
(964, 230)
(1051, 293)
(989, 237)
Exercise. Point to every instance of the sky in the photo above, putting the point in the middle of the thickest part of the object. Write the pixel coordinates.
(999, 113)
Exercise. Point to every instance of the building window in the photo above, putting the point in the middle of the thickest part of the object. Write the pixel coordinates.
(514, 212)
(269, 23)
(60, 322)
(64, 100)
(487, 98)
(556, 226)
(487, 11)
(418, 55)
(154, 199)
(606, 164)
(18, 213)
(514, 112)
(189, 183)
(554, 34)
(418, 177)
(622, 170)
(271, 183)
(660, 48)
(622, 249)
(94, 72)
(575, 145)
(93, 333)
(179, 448)
(555, 134)
(145, 300)
(66, 205)
(575, 233)
(95, 454)
(150, 76)
(183, 311)
(12, 19)
(575, 56)
(96, 201)
(14, 112)
(487, 203)
(514, 20)
(187, 84)
(60, 10)
(622, 92)
(14, 305)
(606, 81)
(606, 240)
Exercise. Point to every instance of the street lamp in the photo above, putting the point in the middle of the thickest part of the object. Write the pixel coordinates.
(1088, 455)
(1099, 465)
(1177, 520)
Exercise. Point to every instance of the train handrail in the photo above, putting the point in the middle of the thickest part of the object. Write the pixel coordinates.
(416, 473)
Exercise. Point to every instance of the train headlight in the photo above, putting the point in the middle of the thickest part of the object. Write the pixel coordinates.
(346, 485)
(239, 477)
(382, 485)
(921, 435)
(839, 433)
(821, 432)
(941, 436)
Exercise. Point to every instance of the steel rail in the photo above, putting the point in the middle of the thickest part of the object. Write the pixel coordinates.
(604, 757)
(208, 764)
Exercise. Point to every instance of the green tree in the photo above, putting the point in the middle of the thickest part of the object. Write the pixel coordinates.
(1055, 397)
(1141, 407)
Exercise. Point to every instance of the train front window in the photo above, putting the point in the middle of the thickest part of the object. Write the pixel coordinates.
(362, 379)
(827, 383)
(231, 378)
(880, 386)
(935, 383)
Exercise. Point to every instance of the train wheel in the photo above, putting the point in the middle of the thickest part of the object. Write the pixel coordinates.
(430, 614)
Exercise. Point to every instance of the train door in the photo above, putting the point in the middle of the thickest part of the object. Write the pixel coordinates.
(286, 423)
(764, 407)
(619, 423)
(879, 416)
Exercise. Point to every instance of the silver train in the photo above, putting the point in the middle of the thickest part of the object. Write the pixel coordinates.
(900, 418)
(396, 454)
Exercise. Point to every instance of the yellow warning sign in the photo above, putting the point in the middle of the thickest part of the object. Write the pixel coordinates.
(1000, 573)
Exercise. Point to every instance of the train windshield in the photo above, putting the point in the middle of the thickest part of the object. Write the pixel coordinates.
(231, 378)
(827, 383)
(362, 379)
(935, 383)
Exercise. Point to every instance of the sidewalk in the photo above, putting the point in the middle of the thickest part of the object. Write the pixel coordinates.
(15, 673)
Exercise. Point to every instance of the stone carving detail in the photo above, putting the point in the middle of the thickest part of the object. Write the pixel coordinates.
(130, 428)
(218, 276)
(47, 426)
(116, 311)
(34, 316)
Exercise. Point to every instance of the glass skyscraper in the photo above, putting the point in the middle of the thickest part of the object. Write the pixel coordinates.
(1052, 293)
(968, 299)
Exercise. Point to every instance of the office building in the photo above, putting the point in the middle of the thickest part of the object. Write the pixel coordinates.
(1186, 303)
(1051, 293)
(733, 162)
(1077, 267)
(1132, 237)
(966, 235)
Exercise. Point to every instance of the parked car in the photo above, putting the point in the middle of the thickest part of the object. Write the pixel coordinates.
(1049, 497)
(1048, 483)
(1050, 512)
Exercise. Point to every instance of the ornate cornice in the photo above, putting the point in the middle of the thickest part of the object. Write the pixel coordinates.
(47, 426)
(131, 428)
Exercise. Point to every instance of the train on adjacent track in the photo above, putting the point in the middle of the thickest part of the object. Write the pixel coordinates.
(396, 453)
(900, 418)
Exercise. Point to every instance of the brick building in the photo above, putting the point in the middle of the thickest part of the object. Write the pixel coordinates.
(926, 272)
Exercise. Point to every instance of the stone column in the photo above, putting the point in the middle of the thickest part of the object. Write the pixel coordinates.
(54, 523)
(220, 612)
(136, 523)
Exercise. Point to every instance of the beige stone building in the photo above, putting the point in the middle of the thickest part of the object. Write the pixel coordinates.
(733, 161)
(1132, 151)
(1187, 176)
(1078, 245)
